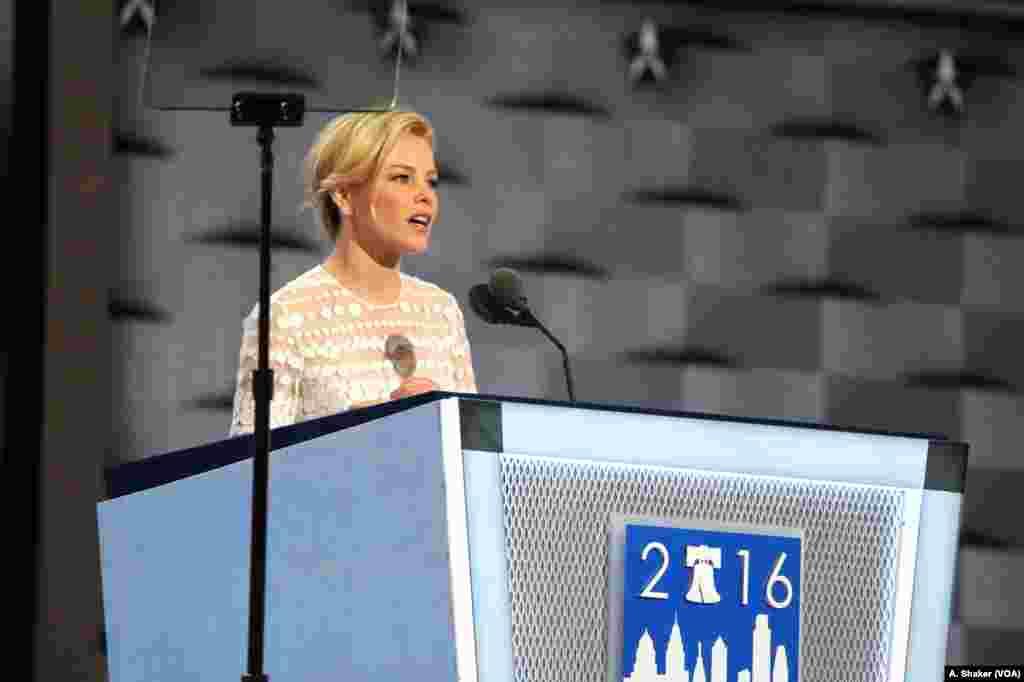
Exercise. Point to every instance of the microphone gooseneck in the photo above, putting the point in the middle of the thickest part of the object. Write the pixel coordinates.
(565, 356)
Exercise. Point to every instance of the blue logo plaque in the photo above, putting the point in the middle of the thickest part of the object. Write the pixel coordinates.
(708, 605)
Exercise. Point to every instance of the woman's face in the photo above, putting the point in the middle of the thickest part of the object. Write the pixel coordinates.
(393, 214)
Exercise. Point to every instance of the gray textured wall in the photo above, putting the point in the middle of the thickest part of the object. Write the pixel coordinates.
(897, 323)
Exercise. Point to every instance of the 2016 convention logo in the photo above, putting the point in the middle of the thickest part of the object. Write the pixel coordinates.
(703, 605)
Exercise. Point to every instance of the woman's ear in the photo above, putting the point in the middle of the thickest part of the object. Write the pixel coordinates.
(343, 200)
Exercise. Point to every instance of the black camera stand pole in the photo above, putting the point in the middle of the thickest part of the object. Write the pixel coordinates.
(264, 111)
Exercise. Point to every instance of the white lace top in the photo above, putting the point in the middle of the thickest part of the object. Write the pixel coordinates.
(327, 348)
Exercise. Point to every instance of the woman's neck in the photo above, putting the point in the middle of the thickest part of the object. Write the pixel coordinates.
(366, 277)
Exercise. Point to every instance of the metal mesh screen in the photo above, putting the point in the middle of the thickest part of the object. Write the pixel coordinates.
(557, 516)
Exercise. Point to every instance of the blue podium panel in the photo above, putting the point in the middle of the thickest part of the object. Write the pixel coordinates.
(358, 573)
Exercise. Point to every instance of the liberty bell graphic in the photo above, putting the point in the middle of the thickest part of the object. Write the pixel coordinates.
(703, 560)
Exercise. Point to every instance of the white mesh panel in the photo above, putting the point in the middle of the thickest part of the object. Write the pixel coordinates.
(557, 516)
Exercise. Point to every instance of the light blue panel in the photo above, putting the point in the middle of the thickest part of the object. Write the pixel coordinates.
(714, 445)
(492, 607)
(174, 563)
(930, 610)
(358, 575)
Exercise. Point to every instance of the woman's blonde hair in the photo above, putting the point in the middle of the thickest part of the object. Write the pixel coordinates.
(349, 151)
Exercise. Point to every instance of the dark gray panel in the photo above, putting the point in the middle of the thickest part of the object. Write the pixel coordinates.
(765, 171)
(658, 153)
(610, 380)
(761, 331)
(992, 272)
(993, 646)
(898, 263)
(481, 425)
(627, 239)
(745, 92)
(752, 249)
(890, 183)
(996, 107)
(755, 393)
(993, 425)
(994, 185)
(946, 467)
(891, 406)
(993, 343)
(887, 341)
(991, 506)
(70, 53)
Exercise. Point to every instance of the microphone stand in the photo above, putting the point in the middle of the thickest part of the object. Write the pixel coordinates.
(495, 310)
(264, 111)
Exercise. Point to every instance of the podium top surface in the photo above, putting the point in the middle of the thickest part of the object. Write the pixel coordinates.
(481, 414)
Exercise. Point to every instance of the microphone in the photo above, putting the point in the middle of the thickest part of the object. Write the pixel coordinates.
(502, 301)
(507, 289)
(399, 350)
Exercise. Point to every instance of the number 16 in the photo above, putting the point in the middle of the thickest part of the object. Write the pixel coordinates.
(775, 578)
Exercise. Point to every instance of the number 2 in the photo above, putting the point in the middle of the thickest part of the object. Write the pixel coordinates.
(649, 592)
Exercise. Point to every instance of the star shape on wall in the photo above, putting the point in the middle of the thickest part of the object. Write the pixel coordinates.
(946, 87)
(647, 58)
(144, 10)
(399, 31)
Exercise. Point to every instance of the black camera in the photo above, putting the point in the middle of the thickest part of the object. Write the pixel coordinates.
(262, 109)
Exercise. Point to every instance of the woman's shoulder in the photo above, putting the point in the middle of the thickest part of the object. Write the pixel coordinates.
(298, 294)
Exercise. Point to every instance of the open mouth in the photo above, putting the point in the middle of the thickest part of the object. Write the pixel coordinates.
(423, 222)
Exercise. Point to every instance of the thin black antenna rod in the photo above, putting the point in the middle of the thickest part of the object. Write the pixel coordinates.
(265, 111)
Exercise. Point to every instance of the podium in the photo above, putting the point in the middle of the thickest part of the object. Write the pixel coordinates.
(491, 539)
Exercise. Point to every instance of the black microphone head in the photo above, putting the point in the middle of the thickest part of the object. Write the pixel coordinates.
(487, 307)
(507, 288)
(483, 304)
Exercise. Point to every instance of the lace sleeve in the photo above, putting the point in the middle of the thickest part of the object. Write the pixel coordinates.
(462, 357)
(286, 362)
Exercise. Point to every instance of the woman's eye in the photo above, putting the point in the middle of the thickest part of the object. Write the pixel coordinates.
(405, 178)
